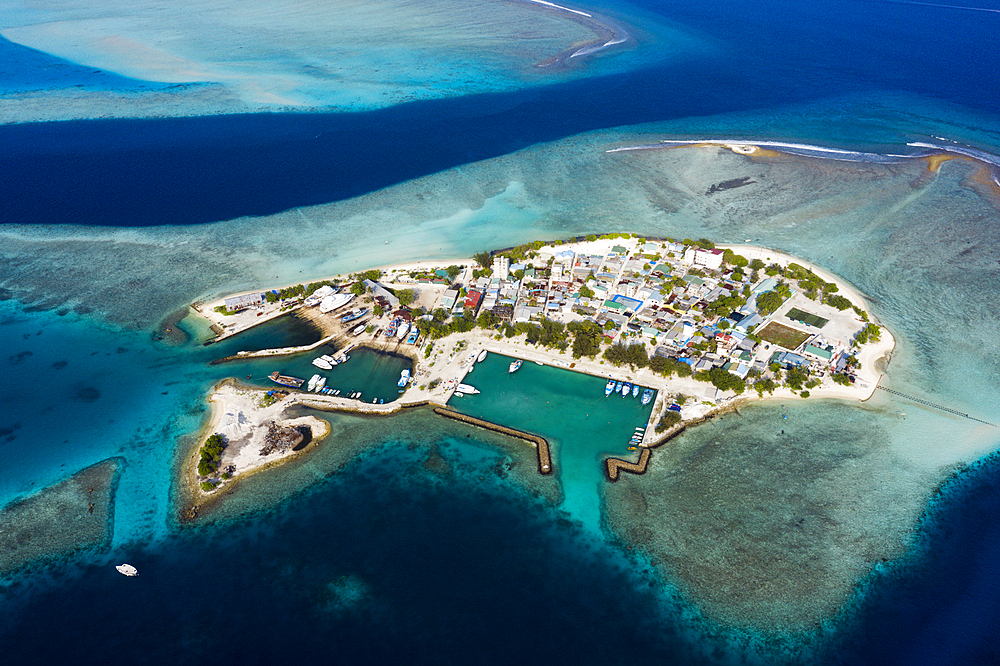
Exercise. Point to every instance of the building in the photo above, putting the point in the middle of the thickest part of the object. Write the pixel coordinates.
(503, 312)
(710, 259)
(501, 267)
(234, 303)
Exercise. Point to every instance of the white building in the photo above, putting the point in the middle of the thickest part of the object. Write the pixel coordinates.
(501, 267)
(710, 259)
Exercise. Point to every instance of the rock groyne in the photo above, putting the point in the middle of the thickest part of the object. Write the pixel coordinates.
(540, 443)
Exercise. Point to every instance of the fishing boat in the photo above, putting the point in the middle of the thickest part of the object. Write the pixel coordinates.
(322, 363)
(354, 314)
(482, 356)
(127, 570)
(647, 395)
(284, 380)
(412, 337)
(635, 391)
(609, 387)
(618, 387)
(626, 387)
(467, 389)
(514, 366)
(404, 328)
(404, 377)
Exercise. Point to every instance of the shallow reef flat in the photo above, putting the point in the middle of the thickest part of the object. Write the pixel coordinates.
(296, 54)
(70, 515)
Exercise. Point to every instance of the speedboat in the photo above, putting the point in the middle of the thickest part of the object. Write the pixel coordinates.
(467, 389)
(618, 387)
(625, 389)
(647, 395)
(404, 377)
(514, 367)
(320, 384)
(609, 387)
(635, 390)
(482, 356)
(127, 570)
(322, 363)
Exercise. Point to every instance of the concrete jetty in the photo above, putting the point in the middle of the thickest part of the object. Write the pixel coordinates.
(540, 443)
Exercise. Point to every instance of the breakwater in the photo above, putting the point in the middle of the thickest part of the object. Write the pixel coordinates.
(540, 443)
(614, 466)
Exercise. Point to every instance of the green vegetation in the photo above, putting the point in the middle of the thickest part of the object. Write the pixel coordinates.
(586, 292)
(722, 379)
(838, 301)
(427, 351)
(207, 486)
(770, 301)
(734, 259)
(358, 288)
(634, 355)
(668, 420)
(842, 379)
(796, 377)
(586, 338)
(211, 455)
(406, 297)
(222, 310)
(484, 258)
(764, 385)
(869, 332)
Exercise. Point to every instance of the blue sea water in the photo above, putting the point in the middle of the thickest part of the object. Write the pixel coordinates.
(387, 561)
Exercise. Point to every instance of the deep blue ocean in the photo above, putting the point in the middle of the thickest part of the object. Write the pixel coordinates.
(386, 561)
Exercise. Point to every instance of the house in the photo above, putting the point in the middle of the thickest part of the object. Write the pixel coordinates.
(710, 259)
(449, 298)
(816, 353)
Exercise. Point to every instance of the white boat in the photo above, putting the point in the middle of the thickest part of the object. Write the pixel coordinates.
(331, 303)
(482, 356)
(467, 389)
(358, 330)
(458, 395)
(635, 390)
(404, 328)
(127, 570)
(329, 359)
(312, 382)
(647, 395)
(514, 366)
(322, 363)
(404, 377)
(320, 384)
(609, 387)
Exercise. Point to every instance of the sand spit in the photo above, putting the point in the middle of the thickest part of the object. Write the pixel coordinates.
(71, 515)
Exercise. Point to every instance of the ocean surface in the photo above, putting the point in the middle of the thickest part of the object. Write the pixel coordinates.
(422, 541)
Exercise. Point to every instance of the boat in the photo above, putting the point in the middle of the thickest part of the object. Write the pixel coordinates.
(331, 303)
(404, 377)
(609, 387)
(626, 390)
(336, 392)
(284, 380)
(322, 364)
(411, 339)
(312, 382)
(514, 366)
(374, 400)
(539, 363)
(354, 314)
(482, 356)
(631, 448)
(618, 387)
(358, 330)
(329, 359)
(647, 395)
(467, 389)
(127, 570)
(404, 328)
(458, 395)
(320, 384)
(635, 390)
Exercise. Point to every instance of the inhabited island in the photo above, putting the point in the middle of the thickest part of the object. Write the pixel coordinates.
(697, 327)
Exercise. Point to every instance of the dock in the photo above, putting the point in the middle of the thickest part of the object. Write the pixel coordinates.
(540, 443)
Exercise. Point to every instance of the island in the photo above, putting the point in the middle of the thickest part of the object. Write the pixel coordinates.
(702, 327)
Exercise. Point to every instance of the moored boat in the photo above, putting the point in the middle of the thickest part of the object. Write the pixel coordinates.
(293, 382)
(467, 389)
(404, 377)
(609, 387)
(322, 364)
(625, 389)
(482, 356)
(647, 395)
(514, 366)
(635, 390)
(320, 384)
(618, 387)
